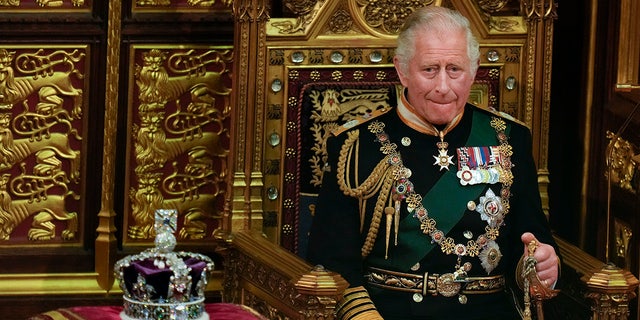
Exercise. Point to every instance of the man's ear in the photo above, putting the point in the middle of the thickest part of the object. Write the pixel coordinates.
(477, 67)
(400, 70)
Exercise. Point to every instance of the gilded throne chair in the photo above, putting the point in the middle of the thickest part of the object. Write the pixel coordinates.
(330, 63)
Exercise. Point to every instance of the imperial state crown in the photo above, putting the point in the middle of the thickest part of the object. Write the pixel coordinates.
(159, 283)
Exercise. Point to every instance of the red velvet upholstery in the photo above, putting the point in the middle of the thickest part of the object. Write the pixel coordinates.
(217, 311)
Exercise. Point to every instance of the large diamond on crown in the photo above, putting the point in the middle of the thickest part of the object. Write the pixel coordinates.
(159, 283)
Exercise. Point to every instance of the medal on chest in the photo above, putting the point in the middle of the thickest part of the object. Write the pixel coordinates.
(479, 165)
(443, 159)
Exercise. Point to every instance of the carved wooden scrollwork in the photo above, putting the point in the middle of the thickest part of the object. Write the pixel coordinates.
(492, 5)
(44, 3)
(539, 9)
(387, 16)
(623, 170)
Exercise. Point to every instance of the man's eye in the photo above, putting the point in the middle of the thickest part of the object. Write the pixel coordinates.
(454, 72)
(431, 71)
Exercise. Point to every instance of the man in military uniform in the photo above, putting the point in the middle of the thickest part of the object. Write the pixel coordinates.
(428, 208)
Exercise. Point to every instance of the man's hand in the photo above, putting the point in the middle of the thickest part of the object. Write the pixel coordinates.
(547, 266)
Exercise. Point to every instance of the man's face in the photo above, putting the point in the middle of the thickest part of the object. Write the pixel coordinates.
(438, 77)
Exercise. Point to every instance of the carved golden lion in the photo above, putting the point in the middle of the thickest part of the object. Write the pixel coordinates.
(52, 207)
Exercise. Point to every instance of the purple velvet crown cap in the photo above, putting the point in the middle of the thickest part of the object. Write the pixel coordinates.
(160, 278)
(158, 283)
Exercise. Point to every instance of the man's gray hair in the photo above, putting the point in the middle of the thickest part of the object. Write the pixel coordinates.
(434, 19)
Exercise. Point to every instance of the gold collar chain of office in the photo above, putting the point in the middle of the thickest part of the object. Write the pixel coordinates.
(403, 190)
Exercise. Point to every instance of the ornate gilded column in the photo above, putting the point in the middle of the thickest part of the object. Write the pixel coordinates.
(106, 239)
(540, 16)
(244, 208)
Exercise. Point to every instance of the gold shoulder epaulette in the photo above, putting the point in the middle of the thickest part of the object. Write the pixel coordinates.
(360, 120)
(505, 115)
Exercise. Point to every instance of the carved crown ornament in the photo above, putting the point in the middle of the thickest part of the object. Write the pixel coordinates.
(385, 17)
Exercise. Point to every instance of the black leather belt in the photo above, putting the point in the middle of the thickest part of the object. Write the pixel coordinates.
(434, 284)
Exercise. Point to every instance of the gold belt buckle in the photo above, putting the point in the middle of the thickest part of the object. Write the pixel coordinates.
(447, 286)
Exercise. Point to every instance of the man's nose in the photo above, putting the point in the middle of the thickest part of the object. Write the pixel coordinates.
(442, 82)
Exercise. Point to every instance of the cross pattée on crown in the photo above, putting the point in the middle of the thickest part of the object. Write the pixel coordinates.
(165, 226)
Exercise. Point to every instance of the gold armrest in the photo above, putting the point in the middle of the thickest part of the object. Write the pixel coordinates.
(276, 282)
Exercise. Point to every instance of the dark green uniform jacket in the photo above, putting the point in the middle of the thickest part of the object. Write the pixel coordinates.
(336, 239)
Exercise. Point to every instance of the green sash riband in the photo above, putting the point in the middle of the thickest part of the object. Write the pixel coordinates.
(446, 202)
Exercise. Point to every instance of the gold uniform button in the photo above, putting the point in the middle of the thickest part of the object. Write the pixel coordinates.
(471, 206)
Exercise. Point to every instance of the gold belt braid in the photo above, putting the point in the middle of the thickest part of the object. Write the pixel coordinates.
(436, 284)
